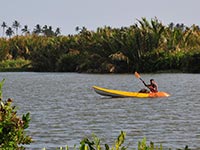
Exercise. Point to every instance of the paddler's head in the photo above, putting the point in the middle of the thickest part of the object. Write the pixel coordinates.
(152, 80)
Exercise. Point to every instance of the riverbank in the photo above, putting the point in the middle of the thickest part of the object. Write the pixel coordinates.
(18, 65)
(146, 46)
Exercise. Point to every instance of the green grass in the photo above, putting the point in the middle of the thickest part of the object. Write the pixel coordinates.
(15, 65)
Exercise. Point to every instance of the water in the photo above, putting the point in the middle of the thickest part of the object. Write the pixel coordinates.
(65, 109)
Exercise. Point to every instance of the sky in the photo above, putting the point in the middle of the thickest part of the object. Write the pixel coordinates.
(68, 14)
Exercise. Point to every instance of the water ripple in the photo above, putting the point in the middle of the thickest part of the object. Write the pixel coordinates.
(64, 108)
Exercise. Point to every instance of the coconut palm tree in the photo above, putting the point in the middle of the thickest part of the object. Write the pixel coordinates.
(37, 29)
(25, 30)
(48, 31)
(45, 27)
(77, 28)
(57, 32)
(3, 26)
(9, 32)
(16, 25)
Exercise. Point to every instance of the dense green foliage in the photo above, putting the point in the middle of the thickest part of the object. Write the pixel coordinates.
(12, 134)
(95, 144)
(147, 46)
(15, 65)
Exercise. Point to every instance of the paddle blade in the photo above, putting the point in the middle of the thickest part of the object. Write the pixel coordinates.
(137, 75)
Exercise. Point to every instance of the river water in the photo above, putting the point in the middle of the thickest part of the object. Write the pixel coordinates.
(65, 109)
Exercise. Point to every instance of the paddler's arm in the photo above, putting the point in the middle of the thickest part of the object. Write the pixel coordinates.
(144, 83)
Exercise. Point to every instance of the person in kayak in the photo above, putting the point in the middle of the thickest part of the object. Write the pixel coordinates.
(153, 87)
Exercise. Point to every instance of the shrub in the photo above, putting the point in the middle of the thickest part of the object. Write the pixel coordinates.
(191, 61)
(15, 65)
(67, 63)
(11, 126)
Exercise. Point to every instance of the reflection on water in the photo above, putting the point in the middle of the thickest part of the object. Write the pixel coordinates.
(64, 108)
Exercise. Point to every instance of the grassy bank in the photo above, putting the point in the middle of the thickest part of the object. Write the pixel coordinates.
(17, 65)
(145, 46)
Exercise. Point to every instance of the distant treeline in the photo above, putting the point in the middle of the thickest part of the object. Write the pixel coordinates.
(146, 46)
(13, 30)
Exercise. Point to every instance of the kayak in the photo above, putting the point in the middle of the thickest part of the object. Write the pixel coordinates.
(118, 93)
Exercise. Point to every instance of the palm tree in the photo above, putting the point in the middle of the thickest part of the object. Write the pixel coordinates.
(77, 29)
(45, 30)
(48, 31)
(171, 26)
(3, 26)
(37, 29)
(9, 32)
(45, 27)
(57, 32)
(16, 25)
(25, 30)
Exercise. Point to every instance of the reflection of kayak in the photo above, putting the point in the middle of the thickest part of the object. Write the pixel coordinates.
(117, 93)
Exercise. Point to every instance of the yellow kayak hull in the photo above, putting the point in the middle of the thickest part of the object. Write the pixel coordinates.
(118, 93)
